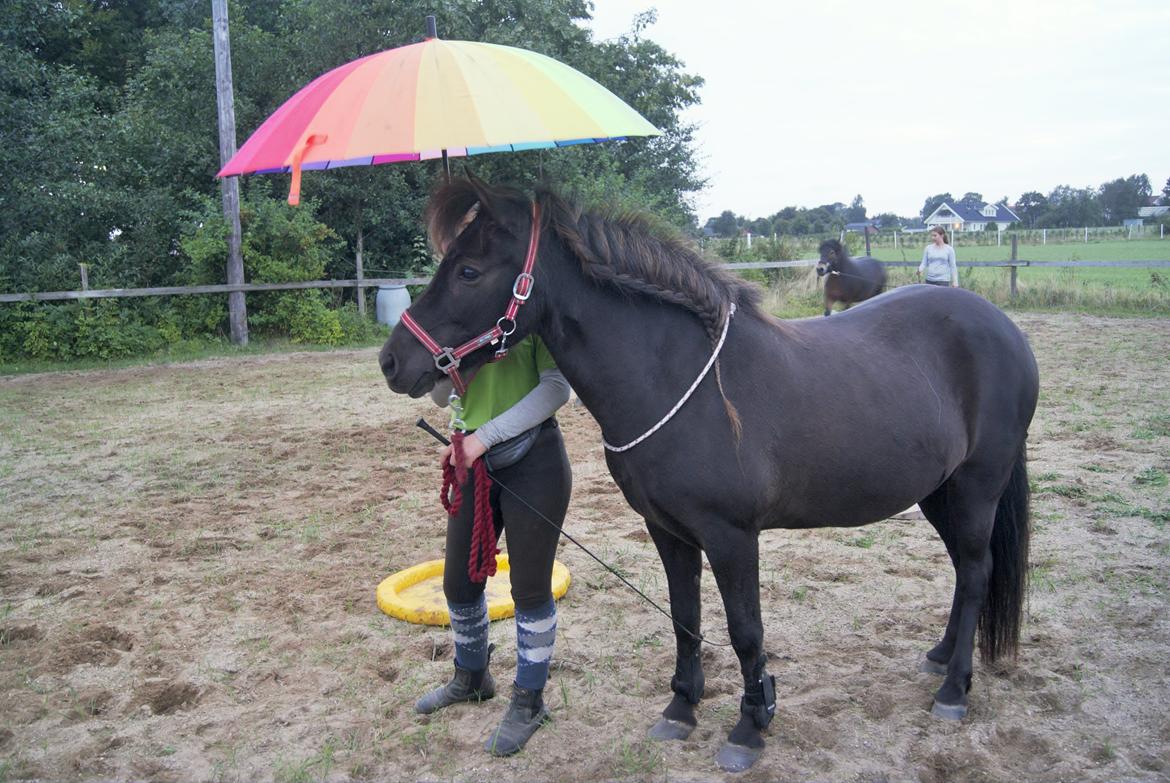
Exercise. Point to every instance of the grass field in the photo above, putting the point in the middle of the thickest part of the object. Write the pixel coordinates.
(1127, 278)
(797, 293)
(1136, 250)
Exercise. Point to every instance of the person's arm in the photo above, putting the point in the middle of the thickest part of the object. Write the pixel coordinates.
(954, 266)
(922, 266)
(543, 401)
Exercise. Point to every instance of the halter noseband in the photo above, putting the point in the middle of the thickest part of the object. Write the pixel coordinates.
(447, 360)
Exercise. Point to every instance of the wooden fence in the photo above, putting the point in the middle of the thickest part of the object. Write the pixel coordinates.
(371, 282)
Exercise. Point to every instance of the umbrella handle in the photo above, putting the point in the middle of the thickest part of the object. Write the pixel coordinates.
(294, 188)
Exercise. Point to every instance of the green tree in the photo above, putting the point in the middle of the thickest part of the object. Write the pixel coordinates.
(1070, 207)
(1123, 197)
(972, 200)
(1031, 206)
(933, 203)
(856, 211)
(726, 225)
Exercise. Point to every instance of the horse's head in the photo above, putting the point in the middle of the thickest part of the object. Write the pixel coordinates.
(483, 234)
(832, 254)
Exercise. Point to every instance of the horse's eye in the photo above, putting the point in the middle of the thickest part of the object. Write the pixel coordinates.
(468, 273)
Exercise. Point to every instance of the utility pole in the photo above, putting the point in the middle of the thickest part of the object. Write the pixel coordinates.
(229, 186)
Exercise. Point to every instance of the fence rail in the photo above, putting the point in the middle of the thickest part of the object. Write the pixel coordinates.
(373, 282)
(109, 293)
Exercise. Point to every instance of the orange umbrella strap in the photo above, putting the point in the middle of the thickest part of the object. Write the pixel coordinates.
(294, 188)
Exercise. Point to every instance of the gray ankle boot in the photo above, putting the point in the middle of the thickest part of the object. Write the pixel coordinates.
(466, 685)
(525, 715)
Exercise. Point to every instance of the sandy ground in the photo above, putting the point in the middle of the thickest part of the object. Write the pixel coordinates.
(188, 558)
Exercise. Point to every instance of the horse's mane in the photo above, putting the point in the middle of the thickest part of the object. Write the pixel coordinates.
(629, 250)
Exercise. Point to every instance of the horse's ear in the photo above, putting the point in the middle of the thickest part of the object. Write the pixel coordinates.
(485, 197)
(494, 205)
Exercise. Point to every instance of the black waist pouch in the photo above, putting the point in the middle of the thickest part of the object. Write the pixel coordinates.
(511, 451)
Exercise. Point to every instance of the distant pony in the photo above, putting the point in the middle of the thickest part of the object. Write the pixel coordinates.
(848, 280)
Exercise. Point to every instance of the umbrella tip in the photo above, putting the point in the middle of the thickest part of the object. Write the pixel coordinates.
(432, 30)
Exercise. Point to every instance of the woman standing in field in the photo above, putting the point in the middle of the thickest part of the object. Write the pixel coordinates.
(938, 260)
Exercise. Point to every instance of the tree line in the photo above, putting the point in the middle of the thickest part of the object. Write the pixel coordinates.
(110, 148)
(1064, 207)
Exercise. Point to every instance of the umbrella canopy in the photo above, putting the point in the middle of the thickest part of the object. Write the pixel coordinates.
(432, 99)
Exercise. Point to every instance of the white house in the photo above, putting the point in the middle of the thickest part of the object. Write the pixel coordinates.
(961, 218)
(1154, 207)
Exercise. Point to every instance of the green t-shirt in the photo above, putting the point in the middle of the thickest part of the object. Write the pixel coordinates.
(500, 385)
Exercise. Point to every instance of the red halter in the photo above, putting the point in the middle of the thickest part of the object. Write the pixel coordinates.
(448, 359)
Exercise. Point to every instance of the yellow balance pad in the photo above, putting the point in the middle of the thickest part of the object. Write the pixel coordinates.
(415, 594)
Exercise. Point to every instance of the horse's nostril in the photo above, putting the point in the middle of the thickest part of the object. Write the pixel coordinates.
(387, 362)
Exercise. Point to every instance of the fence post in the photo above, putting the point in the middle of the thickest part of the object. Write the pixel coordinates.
(1015, 257)
(1044, 236)
(867, 242)
(229, 186)
(84, 277)
(361, 290)
(1086, 235)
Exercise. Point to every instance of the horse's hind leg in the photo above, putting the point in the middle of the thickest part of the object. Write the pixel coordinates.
(934, 507)
(734, 558)
(684, 567)
(969, 514)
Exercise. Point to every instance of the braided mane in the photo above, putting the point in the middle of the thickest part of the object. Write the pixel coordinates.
(627, 251)
(631, 252)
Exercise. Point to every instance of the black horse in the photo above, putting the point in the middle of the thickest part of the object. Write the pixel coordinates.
(922, 396)
(849, 280)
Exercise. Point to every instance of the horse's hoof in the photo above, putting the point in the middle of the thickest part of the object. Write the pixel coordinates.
(932, 667)
(737, 758)
(948, 711)
(666, 729)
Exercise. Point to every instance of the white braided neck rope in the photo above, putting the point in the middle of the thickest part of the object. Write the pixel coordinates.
(685, 397)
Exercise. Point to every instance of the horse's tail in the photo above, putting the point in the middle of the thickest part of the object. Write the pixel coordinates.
(999, 622)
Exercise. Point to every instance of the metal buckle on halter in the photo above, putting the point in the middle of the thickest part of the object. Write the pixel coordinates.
(505, 332)
(528, 280)
(452, 361)
(502, 351)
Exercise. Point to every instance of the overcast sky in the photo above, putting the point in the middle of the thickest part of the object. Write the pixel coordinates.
(814, 102)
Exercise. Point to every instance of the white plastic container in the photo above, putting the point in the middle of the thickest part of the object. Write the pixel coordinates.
(390, 303)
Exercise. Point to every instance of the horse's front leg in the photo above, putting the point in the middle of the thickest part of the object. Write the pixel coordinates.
(735, 558)
(683, 563)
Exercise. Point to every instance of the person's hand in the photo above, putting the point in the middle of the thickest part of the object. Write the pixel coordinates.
(919, 276)
(473, 449)
(954, 285)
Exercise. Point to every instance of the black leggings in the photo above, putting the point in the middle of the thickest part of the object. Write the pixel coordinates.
(543, 480)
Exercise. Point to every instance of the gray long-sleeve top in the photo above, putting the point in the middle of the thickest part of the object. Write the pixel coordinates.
(938, 264)
(545, 399)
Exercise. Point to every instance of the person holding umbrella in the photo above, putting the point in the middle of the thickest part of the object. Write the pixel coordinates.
(434, 100)
(508, 412)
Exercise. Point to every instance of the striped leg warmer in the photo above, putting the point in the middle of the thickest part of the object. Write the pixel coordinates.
(536, 633)
(469, 626)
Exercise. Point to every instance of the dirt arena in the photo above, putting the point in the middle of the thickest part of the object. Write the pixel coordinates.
(189, 553)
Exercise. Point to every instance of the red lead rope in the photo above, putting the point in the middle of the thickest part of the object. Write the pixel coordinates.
(481, 561)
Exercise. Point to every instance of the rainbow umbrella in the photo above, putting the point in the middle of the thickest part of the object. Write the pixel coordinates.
(434, 99)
